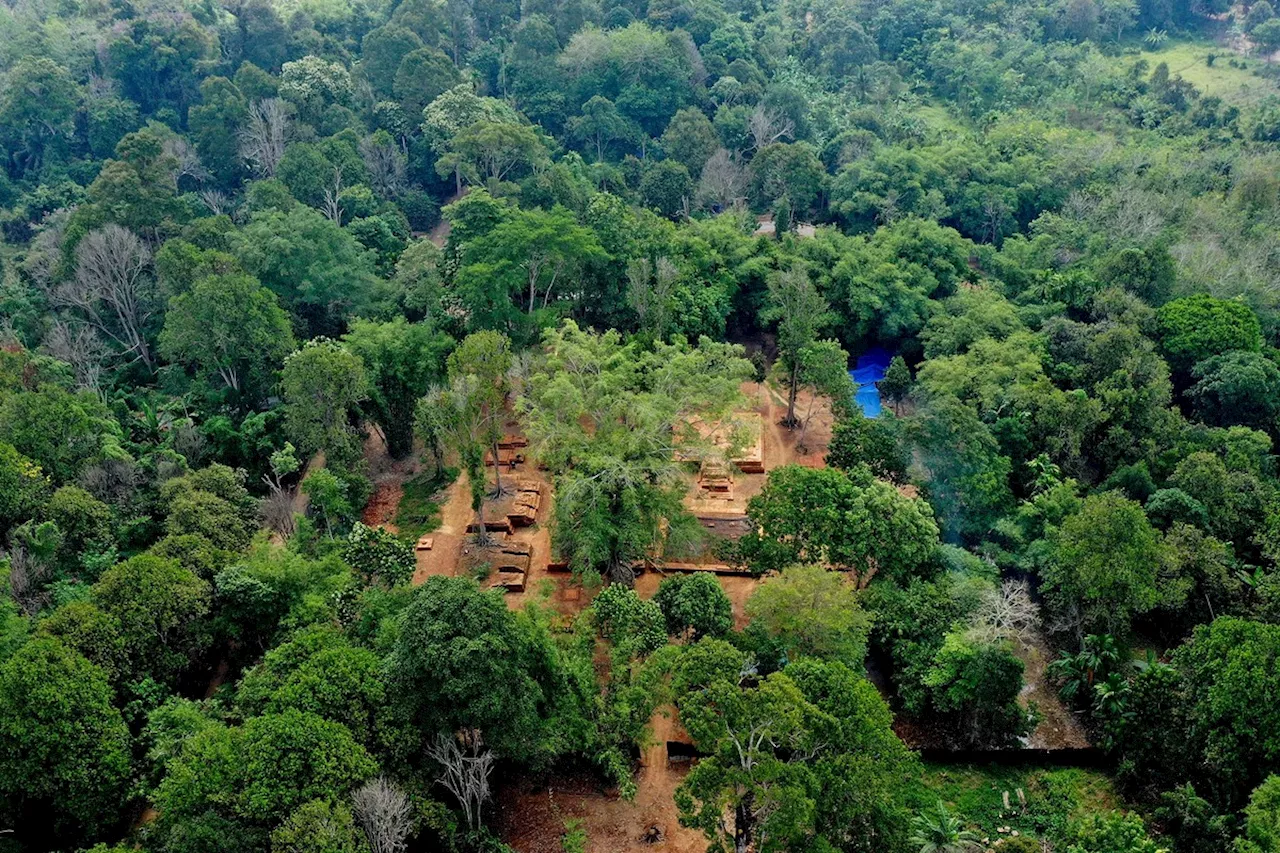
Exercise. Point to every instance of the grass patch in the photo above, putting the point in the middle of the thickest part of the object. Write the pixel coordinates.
(1054, 796)
(1239, 86)
(419, 512)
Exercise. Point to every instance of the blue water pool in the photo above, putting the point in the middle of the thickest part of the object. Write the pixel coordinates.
(870, 369)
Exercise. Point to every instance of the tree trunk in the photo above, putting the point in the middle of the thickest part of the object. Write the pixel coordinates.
(497, 471)
(742, 826)
(791, 395)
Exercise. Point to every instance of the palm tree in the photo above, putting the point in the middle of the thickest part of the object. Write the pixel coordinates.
(1098, 657)
(1156, 38)
(942, 832)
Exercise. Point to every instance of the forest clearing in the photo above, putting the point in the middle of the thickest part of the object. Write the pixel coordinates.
(582, 426)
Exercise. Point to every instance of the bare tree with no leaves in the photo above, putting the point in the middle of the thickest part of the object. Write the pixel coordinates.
(216, 201)
(264, 136)
(79, 346)
(767, 126)
(333, 197)
(649, 289)
(723, 182)
(186, 160)
(385, 813)
(386, 165)
(110, 290)
(1007, 613)
(466, 766)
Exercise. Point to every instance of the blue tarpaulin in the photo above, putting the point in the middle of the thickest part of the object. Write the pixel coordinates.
(869, 370)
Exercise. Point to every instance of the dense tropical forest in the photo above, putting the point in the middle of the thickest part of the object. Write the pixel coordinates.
(367, 369)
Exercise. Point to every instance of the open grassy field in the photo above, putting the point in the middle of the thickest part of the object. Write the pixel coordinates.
(1053, 796)
(1239, 85)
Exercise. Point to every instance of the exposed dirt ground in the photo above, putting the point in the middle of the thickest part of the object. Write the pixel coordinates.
(1058, 727)
(388, 476)
(531, 815)
(782, 446)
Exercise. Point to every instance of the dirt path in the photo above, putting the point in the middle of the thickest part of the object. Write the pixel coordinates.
(1058, 727)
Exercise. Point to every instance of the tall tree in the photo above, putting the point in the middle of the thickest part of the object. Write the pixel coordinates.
(1105, 566)
(323, 383)
(800, 312)
(112, 292)
(230, 329)
(483, 360)
(456, 644)
(531, 260)
(402, 361)
(849, 522)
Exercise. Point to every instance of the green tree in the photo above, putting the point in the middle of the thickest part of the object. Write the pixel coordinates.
(1267, 37)
(36, 113)
(809, 611)
(787, 171)
(378, 554)
(1198, 327)
(801, 313)
(896, 384)
(490, 153)
(531, 260)
(312, 84)
(968, 477)
(319, 826)
(632, 624)
(743, 734)
(456, 642)
(1104, 568)
(323, 383)
(84, 628)
(23, 487)
(58, 430)
(215, 124)
(84, 522)
(482, 362)
(1237, 388)
(694, 605)
(402, 360)
(666, 187)
(975, 686)
(231, 330)
(873, 442)
(1262, 819)
(848, 522)
(1228, 671)
(381, 52)
(64, 749)
(318, 269)
(422, 76)
(600, 125)
(253, 777)
(319, 672)
(160, 607)
(690, 139)
(330, 496)
(1104, 833)
(788, 756)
